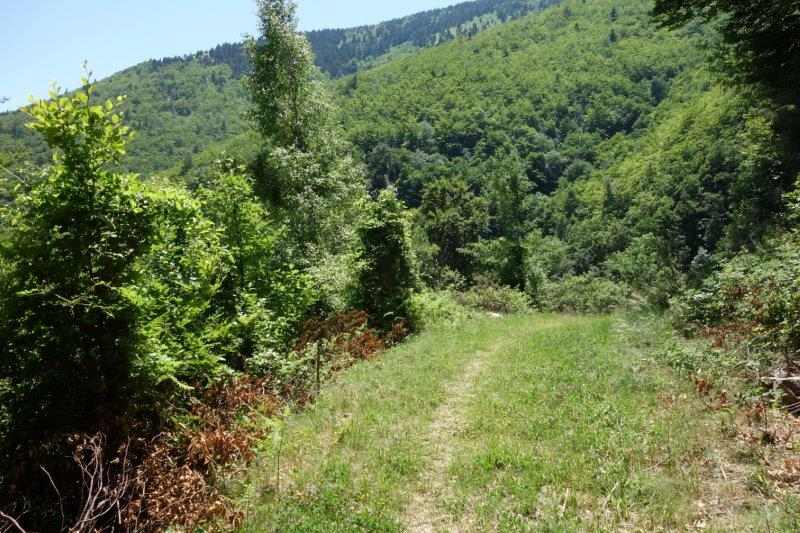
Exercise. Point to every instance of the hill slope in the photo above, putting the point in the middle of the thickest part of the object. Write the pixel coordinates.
(553, 87)
(181, 105)
(341, 52)
(634, 161)
(570, 97)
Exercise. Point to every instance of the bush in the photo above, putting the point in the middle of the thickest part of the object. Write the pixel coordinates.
(138, 297)
(646, 267)
(177, 280)
(69, 328)
(263, 292)
(453, 218)
(757, 292)
(493, 298)
(499, 261)
(583, 294)
(387, 276)
(433, 308)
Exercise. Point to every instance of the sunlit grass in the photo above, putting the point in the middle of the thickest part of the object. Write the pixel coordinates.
(568, 426)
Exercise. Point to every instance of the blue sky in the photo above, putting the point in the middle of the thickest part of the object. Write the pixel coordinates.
(45, 41)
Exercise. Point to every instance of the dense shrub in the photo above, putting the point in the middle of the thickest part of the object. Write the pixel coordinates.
(494, 298)
(499, 261)
(264, 295)
(177, 281)
(647, 268)
(138, 297)
(583, 294)
(759, 293)
(69, 328)
(387, 275)
(435, 308)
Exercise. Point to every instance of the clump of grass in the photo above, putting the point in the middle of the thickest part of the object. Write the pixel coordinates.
(570, 425)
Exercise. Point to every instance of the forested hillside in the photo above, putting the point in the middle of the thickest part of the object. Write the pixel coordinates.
(181, 105)
(178, 108)
(341, 52)
(197, 258)
(599, 143)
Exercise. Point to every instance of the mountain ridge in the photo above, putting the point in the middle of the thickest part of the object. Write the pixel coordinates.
(180, 105)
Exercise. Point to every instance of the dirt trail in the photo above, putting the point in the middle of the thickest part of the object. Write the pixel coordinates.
(424, 514)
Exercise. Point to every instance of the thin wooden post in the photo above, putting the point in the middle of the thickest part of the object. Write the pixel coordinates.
(318, 365)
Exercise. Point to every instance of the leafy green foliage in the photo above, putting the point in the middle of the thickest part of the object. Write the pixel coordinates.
(437, 309)
(183, 335)
(645, 267)
(559, 147)
(509, 93)
(280, 84)
(761, 36)
(138, 297)
(304, 170)
(754, 295)
(453, 218)
(583, 294)
(388, 276)
(65, 316)
(265, 295)
(494, 298)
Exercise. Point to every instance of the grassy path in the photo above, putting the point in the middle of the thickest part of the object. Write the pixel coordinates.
(422, 514)
(529, 423)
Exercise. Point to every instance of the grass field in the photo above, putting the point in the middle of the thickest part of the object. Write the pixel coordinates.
(525, 423)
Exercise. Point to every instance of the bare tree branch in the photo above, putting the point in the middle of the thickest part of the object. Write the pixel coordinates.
(13, 522)
(60, 499)
(104, 492)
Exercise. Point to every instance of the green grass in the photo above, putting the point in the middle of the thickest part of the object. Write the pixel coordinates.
(527, 423)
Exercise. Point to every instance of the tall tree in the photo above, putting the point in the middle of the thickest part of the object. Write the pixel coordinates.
(281, 85)
(304, 170)
(454, 218)
(509, 192)
(761, 34)
(387, 277)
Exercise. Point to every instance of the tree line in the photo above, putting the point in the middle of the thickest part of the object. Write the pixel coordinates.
(122, 300)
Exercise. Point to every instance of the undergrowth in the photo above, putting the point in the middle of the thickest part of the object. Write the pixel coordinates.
(733, 375)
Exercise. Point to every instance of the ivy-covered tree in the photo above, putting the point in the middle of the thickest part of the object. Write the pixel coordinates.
(387, 276)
